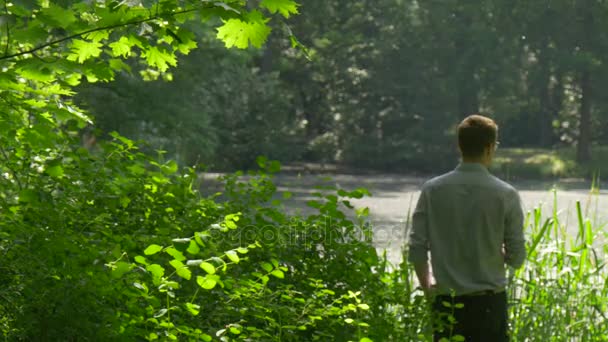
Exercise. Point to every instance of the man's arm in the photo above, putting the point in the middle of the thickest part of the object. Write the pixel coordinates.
(514, 243)
(418, 243)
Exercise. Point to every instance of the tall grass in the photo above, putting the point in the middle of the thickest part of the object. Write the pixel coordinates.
(561, 293)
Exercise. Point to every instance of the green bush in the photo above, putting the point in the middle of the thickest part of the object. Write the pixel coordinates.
(114, 245)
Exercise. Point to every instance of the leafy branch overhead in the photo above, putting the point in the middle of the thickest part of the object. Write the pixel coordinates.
(89, 28)
(46, 47)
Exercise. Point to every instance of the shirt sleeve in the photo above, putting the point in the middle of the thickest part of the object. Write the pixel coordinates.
(418, 242)
(515, 243)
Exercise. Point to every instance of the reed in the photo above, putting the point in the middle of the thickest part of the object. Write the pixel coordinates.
(561, 292)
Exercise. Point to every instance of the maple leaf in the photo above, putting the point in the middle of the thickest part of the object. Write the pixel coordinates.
(285, 7)
(97, 36)
(83, 50)
(121, 47)
(36, 70)
(240, 33)
(160, 59)
(187, 41)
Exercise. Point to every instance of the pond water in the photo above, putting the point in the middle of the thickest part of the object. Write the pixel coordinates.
(394, 195)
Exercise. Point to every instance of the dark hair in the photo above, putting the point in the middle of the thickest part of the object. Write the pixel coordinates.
(475, 133)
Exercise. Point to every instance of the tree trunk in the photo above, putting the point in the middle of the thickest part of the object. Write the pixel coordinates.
(583, 151)
(545, 114)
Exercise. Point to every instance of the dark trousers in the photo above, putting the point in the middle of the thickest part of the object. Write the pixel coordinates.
(478, 318)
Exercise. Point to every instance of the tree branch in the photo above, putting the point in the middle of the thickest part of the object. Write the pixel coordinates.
(103, 28)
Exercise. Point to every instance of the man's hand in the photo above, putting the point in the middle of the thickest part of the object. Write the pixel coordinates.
(425, 278)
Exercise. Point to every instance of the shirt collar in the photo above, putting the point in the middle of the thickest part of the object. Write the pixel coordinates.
(472, 167)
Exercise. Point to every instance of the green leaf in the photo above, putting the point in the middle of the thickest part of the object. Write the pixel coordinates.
(198, 237)
(120, 268)
(97, 36)
(274, 166)
(285, 7)
(175, 253)
(261, 161)
(83, 50)
(233, 256)
(206, 282)
(193, 248)
(365, 339)
(187, 41)
(141, 260)
(363, 306)
(239, 33)
(181, 269)
(278, 273)
(121, 47)
(208, 267)
(168, 285)
(35, 70)
(152, 249)
(362, 212)
(160, 59)
(157, 272)
(194, 309)
(118, 65)
(267, 267)
(55, 171)
(229, 222)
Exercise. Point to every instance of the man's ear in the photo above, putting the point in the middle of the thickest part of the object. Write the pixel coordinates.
(487, 151)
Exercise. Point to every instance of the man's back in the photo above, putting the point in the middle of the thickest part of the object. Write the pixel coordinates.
(463, 218)
(472, 225)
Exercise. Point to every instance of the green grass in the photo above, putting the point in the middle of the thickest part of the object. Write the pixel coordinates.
(534, 163)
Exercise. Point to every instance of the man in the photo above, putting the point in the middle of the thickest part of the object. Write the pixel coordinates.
(472, 224)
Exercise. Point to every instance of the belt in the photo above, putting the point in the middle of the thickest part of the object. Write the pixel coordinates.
(484, 293)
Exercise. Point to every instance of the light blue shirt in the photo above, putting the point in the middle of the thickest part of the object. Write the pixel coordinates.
(463, 218)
